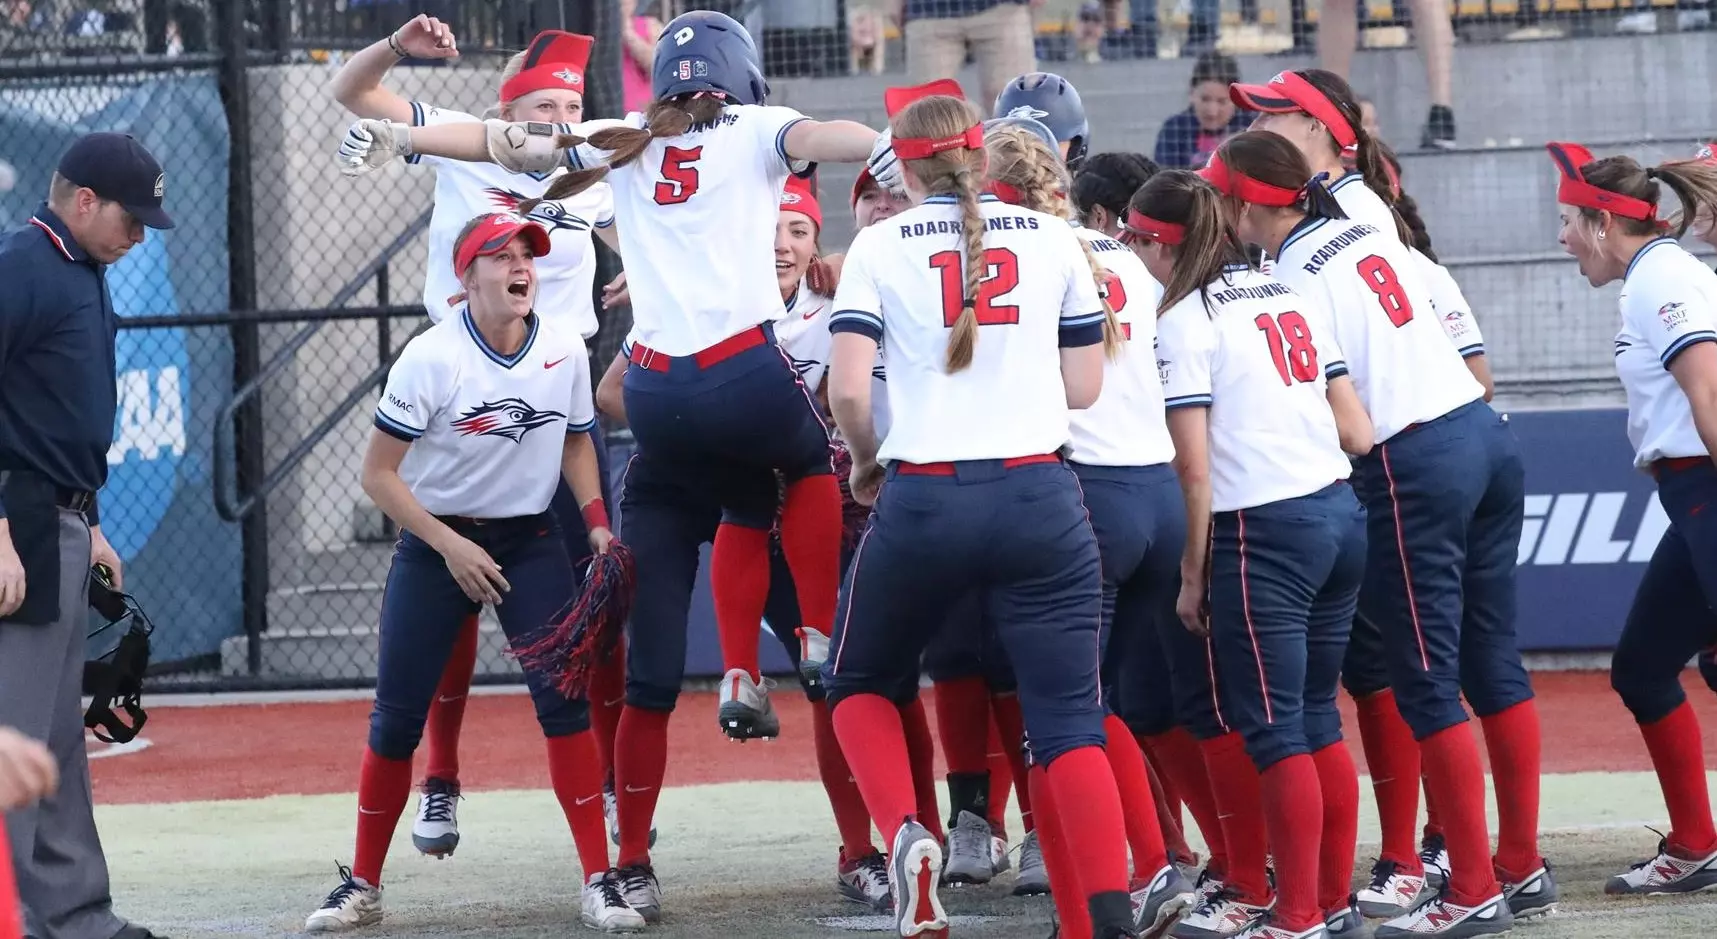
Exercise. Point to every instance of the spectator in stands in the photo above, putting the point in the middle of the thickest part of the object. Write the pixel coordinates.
(1368, 118)
(638, 35)
(1433, 33)
(1187, 139)
(940, 34)
(1088, 32)
(867, 40)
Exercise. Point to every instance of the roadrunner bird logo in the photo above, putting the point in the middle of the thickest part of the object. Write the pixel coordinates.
(511, 418)
(551, 215)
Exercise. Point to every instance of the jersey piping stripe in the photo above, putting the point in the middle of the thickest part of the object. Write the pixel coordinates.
(1299, 233)
(1188, 401)
(781, 142)
(1406, 568)
(847, 621)
(1246, 610)
(393, 428)
(1681, 345)
(505, 361)
(1642, 252)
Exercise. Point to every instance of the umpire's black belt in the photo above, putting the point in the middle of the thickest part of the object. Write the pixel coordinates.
(76, 500)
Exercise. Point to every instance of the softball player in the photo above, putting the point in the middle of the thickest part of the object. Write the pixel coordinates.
(1261, 410)
(543, 83)
(1052, 101)
(965, 293)
(1168, 699)
(1443, 488)
(481, 414)
(1666, 357)
(1121, 454)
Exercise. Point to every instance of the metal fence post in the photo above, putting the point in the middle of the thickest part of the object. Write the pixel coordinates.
(246, 336)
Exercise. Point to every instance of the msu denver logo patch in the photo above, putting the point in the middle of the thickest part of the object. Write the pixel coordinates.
(511, 418)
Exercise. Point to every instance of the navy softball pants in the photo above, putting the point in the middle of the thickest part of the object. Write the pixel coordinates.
(1284, 579)
(731, 416)
(423, 608)
(1445, 506)
(1674, 613)
(1018, 532)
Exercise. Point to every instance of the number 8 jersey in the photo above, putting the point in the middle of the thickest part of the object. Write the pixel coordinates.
(903, 283)
(697, 225)
(1402, 364)
(1259, 357)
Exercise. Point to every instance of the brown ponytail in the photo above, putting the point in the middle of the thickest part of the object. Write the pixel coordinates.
(1272, 159)
(1369, 158)
(1694, 183)
(957, 172)
(665, 117)
(1182, 197)
(1020, 159)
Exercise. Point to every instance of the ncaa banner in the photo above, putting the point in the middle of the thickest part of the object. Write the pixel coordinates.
(1592, 522)
(181, 562)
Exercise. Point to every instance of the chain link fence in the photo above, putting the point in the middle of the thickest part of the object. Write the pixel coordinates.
(256, 335)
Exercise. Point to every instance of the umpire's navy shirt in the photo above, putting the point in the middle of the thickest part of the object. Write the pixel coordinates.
(58, 393)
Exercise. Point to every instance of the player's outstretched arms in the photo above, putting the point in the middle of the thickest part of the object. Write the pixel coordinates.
(1352, 424)
(830, 141)
(371, 144)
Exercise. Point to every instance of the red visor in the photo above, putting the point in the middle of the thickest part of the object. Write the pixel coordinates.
(864, 181)
(496, 232)
(1288, 92)
(1005, 192)
(1149, 229)
(798, 197)
(1574, 190)
(555, 59)
(895, 100)
(1245, 188)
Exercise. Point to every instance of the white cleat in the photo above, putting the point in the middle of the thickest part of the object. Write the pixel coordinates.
(864, 880)
(435, 832)
(1392, 891)
(1160, 903)
(1434, 856)
(745, 712)
(1444, 917)
(1218, 916)
(916, 866)
(813, 652)
(1665, 874)
(605, 906)
(642, 891)
(352, 905)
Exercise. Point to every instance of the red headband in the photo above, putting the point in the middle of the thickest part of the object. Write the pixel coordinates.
(496, 232)
(798, 197)
(1288, 92)
(1705, 153)
(1006, 192)
(1232, 183)
(896, 100)
(555, 59)
(1143, 226)
(1574, 190)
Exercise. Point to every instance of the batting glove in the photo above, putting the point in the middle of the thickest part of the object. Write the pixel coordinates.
(883, 165)
(370, 145)
(527, 147)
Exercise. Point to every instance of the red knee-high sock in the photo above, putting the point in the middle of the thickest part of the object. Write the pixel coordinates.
(1338, 781)
(607, 693)
(1001, 777)
(1064, 889)
(1433, 816)
(1293, 813)
(1512, 738)
(640, 763)
(1010, 726)
(576, 775)
(383, 787)
(921, 754)
(851, 819)
(1453, 771)
(1392, 755)
(962, 717)
(811, 541)
(1089, 809)
(1678, 755)
(1235, 784)
(1138, 805)
(739, 589)
(1181, 761)
(873, 739)
(447, 708)
(11, 911)
(1168, 816)
(1168, 795)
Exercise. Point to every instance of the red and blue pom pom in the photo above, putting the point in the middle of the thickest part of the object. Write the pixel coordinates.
(567, 651)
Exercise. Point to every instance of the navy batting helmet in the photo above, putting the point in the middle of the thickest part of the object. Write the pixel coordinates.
(1053, 102)
(707, 51)
(1033, 127)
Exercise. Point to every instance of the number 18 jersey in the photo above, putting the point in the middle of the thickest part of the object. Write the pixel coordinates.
(1403, 365)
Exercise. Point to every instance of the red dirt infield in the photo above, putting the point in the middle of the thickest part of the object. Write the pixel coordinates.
(249, 751)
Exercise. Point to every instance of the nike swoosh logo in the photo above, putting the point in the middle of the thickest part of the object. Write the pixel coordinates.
(448, 699)
(632, 788)
(615, 703)
(585, 799)
(556, 361)
(364, 811)
(811, 314)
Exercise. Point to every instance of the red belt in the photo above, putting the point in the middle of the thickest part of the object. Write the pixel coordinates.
(1676, 464)
(645, 357)
(947, 469)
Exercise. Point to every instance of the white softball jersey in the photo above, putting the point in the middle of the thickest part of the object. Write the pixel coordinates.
(903, 284)
(1126, 426)
(463, 191)
(1260, 357)
(1668, 304)
(486, 430)
(698, 225)
(1402, 362)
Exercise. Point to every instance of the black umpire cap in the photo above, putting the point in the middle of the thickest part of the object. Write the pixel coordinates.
(119, 169)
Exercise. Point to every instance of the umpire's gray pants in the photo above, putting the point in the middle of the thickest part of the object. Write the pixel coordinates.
(62, 874)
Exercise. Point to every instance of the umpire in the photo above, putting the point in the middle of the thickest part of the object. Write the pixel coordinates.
(58, 395)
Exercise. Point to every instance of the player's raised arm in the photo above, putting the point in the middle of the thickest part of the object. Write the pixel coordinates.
(829, 141)
(358, 84)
